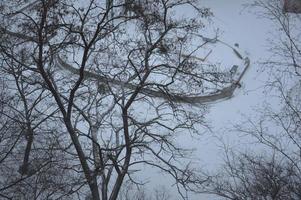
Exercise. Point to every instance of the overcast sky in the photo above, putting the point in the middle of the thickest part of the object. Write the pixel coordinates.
(241, 25)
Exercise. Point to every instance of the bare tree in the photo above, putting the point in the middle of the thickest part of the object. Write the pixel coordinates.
(120, 78)
(246, 176)
(29, 142)
(276, 173)
(131, 190)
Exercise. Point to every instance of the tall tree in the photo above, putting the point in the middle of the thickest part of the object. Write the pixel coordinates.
(120, 78)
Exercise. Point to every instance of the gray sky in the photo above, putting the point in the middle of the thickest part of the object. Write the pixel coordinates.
(237, 25)
(240, 25)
